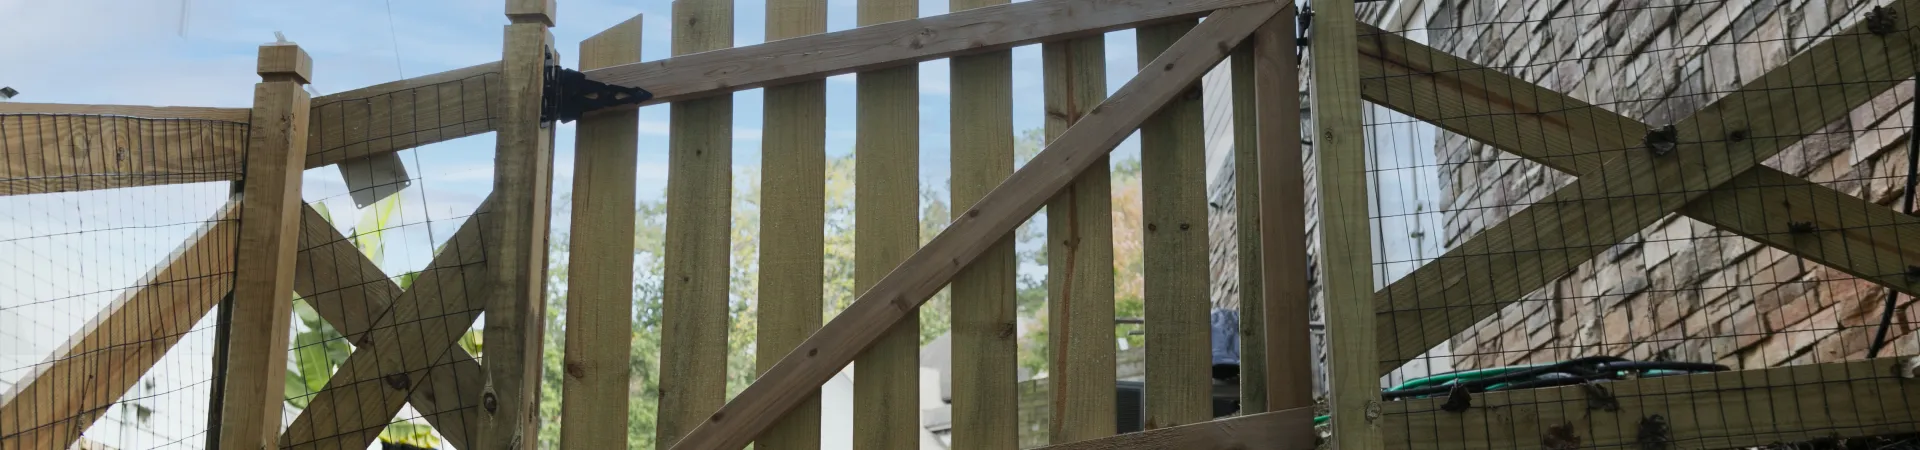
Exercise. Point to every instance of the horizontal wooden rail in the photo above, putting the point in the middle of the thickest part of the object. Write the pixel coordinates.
(399, 115)
(1277, 430)
(1743, 409)
(895, 44)
(64, 148)
(57, 400)
(996, 214)
(236, 115)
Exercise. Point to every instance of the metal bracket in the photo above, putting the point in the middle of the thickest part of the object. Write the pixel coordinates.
(1882, 20)
(1661, 140)
(569, 94)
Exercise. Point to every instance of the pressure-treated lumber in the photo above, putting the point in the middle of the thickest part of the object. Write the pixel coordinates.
(48, 148)
(350, 293)
(1558, 131)
(886, 399)
(399, 115)
(984, 347)
(1173, 179)
(893, 44)
(516, 235)
(793, 193)
(145, 145)
(600, 260)
(57, 400)
(413, 340)
(985, 399)
(1742, 409)
(236, 115)
(1280, 245)
(999, 212)
(1278, 430)
(699, 202)
(1346, 243)
(1079, 254)
(256, 366)
(1544, 241)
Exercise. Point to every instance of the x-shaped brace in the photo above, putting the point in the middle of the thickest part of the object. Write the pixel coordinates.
(1712, 174)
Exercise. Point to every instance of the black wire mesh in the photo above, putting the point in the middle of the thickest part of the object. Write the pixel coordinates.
(118, 246)
(385, 335)
(1672, 294)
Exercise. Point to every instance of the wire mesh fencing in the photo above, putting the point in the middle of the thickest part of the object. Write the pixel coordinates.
(118, 245)
(1605, 224)
(390, 267)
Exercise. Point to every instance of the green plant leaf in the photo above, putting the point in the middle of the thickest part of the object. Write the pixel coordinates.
(409, 433)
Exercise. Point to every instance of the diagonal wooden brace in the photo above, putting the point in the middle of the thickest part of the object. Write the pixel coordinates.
(402, 352)
(351, 293)
(1714, 177)
(791, 380)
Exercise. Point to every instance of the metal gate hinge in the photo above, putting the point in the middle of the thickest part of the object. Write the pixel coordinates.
(568, 94)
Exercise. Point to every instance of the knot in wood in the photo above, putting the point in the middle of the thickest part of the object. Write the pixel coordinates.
(1882, 20)
(1661, 141)
(399, 381)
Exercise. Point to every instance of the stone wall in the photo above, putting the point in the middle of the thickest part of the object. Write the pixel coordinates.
(1678, 289)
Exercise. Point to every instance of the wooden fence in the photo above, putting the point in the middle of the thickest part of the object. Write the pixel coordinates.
(407, 352)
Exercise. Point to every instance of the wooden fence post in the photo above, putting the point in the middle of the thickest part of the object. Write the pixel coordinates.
(269, 227)
(1281, 206)
(1079, 255)
(1173, 201)
(515, 234)
(600, 283)
(1346, 244)
(792, 221)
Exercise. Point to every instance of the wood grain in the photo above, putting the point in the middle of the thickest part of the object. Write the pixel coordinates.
(985, 349)
(894, 297)
(1271, 430)
(1742, 409)
(516, 249)
(1282, 239)
(899, 41)
(600, 260)
(56, 400)
(399, 115)
(351, 293)
(256, 365)
(1173, 179)
(792, 221)
(886, 395)
(693, 337)
(67, 148)
(1542, 242)
(1346, 243)
(1079, 254)
(404, 347)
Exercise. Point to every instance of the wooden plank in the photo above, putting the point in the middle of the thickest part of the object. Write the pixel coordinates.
(792, 225)
(256, 365)
(1282, 207)
(411, 341)
(894, 298)
(1270, 430)
(901, 42)
(235, 115)
(693, 338)
(1346, 243)
(600, 258)
(387, 117)
(71, 148)
(1837, 400)
(985, 348)
(1173, 177)
(351, 293)
(516, 232)
(886, 397)
(58, 399)
(1542, 242)
(1079, 254)
(1858, 237)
